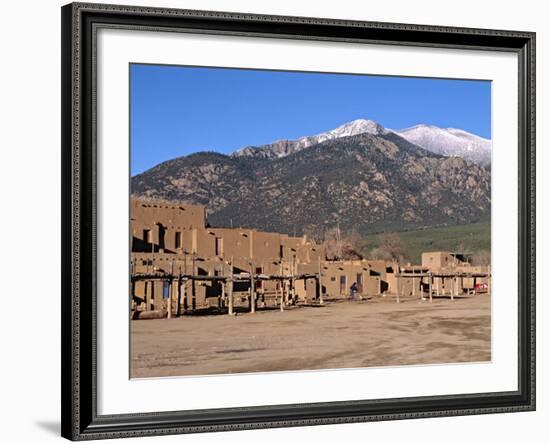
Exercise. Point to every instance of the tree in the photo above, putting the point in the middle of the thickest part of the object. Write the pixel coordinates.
(481, 257)
(390, 248)
(313, 233)
(343, 247)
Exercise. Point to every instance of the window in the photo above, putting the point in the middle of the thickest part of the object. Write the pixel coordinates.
(342, 284)
(146, 236)
(166, 290)
(161, 233)
(177, 240)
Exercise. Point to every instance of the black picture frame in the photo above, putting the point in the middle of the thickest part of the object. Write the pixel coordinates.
(79, 386)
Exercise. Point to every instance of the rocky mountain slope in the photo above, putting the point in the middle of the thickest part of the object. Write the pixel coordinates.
(369, 182)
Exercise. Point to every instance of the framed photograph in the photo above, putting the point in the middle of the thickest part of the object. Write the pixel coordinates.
(281, 221)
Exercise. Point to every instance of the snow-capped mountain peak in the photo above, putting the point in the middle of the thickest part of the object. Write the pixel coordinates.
(449, 142)
(281, 148)
(358, 126)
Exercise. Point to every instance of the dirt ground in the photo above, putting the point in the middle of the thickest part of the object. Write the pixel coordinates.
(377, 332)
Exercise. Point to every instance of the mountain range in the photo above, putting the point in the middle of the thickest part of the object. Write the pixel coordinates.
(359, 176)
(444, 141)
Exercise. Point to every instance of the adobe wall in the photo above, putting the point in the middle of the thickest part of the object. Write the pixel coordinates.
(162, 220)
(338, 277)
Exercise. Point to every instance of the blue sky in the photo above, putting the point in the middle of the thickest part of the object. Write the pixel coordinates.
(176, 110)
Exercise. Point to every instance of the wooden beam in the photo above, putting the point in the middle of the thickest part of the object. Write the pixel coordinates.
(170, 289)
(453, 281)
(430, 286)
(193, 289)
(185, 297)
(399, 285)
(292, 281)
(230, 308)
(221, 295)
(281, 283)
(146, 295)
(178, 300)
(320, 281)
(252, 290)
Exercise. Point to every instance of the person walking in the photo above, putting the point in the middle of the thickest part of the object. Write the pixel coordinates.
(353, 290)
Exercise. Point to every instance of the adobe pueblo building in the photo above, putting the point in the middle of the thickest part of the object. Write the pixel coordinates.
(180, 265)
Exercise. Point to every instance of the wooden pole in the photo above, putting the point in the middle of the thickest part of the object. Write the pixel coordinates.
(146, 293)
(281, 282)
(252, 291)
(178, 301)
(262, 286)
(132, 294)
(288, 283)
(399, 285)
(193, 288)
(320, 281)
(132, 285)
(170, 289)
(453, 281)
(292, 280)
(230, 308)
(185, 299)
(430, 285)
(221, 298)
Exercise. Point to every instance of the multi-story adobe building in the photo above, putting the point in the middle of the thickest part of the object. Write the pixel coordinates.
(175, 239)
(443, 263)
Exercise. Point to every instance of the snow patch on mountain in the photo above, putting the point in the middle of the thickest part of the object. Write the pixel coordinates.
(281, 148)
(450, 142)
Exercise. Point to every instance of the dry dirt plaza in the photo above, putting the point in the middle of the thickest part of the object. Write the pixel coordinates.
(343, 334)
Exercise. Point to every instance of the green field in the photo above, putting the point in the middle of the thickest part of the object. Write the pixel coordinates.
(469, 238)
